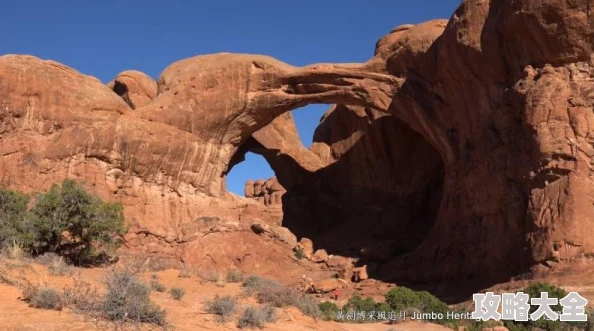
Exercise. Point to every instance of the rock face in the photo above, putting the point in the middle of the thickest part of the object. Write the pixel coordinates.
(166, 160)
(462, 148)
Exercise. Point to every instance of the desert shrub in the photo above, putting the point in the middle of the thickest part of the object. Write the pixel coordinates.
(211, 276)
(253, 284)
(269, 314)
(14, 251)
(278, 296)
(140, 263)
(234, 276)
(156, 263)
(56, 265)
(43, 298)
(5, 279)
(255, 317)
(127, 299)
(224, 307)
(156, 285)
(307, 305)
(88, 221)
(184, 271)
(177, 293)
(273, 293)
(82, 297)
(299, 253)
(328, 310)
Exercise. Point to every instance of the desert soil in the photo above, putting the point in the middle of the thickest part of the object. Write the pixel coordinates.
(187, 314)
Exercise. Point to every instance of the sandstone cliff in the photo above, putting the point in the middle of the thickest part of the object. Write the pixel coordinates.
(464, 145)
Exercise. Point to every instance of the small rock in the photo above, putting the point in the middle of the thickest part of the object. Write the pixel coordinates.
(319, 256)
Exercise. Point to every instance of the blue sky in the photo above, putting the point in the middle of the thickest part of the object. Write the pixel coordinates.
(102, 38)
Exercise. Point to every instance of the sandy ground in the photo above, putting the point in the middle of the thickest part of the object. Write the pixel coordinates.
(187, 314)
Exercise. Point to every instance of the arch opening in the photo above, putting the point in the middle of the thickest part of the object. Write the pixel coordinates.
(376, 195)
(306, 120)
(252, 167)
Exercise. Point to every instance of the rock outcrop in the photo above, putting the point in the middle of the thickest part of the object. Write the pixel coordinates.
(269, 192)
(463, 145)
(135, 87)
(166, 160)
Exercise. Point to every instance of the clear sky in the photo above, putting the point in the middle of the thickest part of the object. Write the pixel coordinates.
(102, 38)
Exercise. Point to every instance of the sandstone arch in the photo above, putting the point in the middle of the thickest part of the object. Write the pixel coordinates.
(499, 97)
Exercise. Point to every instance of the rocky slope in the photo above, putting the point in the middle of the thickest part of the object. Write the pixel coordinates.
(463, 145)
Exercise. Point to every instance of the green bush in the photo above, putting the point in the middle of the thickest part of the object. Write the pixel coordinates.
(64, 220)
(367, 305)
(86, 219)
(15, 225)
(534, 290)
(224, 307)
(404, 299)
(177, 293)
(356, 303)
(255, 317)
(328, 311)
(429, 303)
(299, 253)
(401, 298)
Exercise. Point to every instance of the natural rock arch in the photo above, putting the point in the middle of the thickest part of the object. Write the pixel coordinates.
(501, 92)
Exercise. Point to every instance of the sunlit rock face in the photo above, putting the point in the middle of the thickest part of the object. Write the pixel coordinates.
(461, 148)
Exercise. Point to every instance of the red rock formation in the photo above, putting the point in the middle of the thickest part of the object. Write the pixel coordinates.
(166, 160)
(504, 170)
(464, 146)
(268, 192)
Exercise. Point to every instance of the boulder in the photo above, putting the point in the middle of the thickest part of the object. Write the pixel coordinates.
(135, 87)
(327, 285)
(277, 232)
(319, 255)
(307, 246)
(249, 189)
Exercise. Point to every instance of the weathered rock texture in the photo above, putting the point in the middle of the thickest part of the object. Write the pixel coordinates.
(462, 148)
